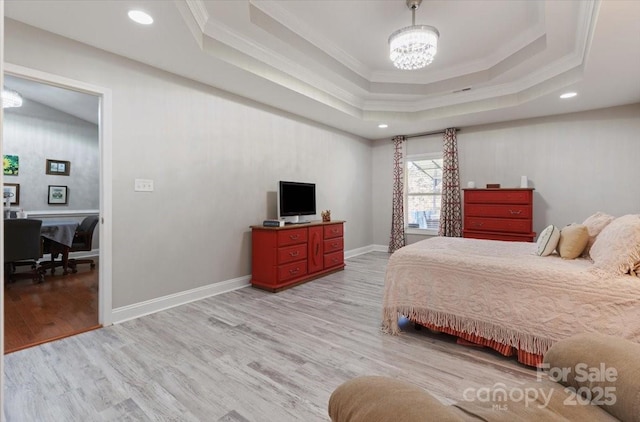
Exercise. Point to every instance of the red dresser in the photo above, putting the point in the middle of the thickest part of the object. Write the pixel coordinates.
(285, 256)
(499, 214)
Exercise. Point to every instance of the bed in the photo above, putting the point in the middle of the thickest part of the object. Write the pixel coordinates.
(503, 295)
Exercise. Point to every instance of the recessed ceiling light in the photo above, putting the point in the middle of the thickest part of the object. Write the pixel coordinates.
(383, 125)
(140, 17)
(568, 95)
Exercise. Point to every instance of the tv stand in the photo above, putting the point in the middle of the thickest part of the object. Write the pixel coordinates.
(283, 257)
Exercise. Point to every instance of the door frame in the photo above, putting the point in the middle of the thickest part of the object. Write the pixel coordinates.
(105, 307)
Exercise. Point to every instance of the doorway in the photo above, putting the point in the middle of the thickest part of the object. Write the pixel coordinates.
(84, 110)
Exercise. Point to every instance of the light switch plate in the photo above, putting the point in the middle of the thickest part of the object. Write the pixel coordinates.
(143, 185)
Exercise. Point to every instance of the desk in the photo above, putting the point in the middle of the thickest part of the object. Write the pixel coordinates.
(59, 231)
(58, 236)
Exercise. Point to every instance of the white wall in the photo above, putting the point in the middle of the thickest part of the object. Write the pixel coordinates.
(215, 159)
(579, 163)
(35, 133)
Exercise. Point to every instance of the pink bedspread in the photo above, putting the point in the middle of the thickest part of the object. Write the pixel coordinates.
(503, 291)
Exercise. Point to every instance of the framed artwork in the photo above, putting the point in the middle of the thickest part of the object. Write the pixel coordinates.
(58, 167)
(58, 195)
(10, 165)
(12, 191)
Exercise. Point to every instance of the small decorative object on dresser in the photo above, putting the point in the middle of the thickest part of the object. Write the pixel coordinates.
(499, 214)
(283, 257)
(326, 215)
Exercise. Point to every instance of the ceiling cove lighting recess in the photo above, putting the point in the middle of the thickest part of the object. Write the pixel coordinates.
(568, 95)
(140, 17)
(383, 125)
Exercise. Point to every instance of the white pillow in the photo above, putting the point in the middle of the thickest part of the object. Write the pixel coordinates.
(595, 224)
(548, 240)
(616, 250)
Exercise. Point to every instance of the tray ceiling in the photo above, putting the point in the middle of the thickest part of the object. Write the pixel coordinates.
(328, 60)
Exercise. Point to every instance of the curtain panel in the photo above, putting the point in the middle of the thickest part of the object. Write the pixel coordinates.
(397, 239)
(451, 211)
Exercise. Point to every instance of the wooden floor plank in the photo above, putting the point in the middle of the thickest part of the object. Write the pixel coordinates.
(246, 355)
(61, 306)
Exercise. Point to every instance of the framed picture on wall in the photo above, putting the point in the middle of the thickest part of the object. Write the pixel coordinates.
(58, 167)
(12, 191)
(10, 165)
(58, 195)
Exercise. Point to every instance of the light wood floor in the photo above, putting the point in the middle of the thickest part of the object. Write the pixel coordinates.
(61, 306)
(246, 355)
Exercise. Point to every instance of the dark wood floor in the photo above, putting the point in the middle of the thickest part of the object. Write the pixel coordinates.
(61, 306)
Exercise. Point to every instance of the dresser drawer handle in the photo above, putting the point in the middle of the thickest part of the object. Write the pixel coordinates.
(477, 224)
(335, 260)
(294, 253)
(294, 236)
(294, 271)
(334, 245)
(335, 231)
(515, 212)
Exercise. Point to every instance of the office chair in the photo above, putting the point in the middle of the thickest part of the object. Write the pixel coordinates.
(82, 241)
(22, 242)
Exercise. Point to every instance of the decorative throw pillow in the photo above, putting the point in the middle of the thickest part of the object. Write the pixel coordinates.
(616, 250)
(595, 223)
(573, 239)
(548, 240)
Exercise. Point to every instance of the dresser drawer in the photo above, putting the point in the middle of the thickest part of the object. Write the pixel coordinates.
(335, 244)
(292, 270)
(292, 253)
(333, 230)
(292, 237)
(498, 196)
(333, 259)
(497, 224)
(501, 211)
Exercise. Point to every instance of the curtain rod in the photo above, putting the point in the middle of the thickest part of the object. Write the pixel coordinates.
(438, 132)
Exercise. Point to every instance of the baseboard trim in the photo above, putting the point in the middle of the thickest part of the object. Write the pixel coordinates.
(137, 310)
(365, 249)
(94, 253)
(358, 251)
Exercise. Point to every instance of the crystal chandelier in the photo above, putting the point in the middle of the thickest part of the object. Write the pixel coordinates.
(11, 99)
(413, 47)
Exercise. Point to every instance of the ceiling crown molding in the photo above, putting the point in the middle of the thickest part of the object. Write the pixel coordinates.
(328, 61)
(302, 29)
(338, 85)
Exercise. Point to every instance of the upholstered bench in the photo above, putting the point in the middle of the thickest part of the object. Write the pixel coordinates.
(604, 368)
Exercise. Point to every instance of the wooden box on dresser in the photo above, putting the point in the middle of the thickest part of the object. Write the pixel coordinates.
(285, 256)
(499, 214)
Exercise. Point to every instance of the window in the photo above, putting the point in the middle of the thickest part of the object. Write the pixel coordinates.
(423, 191)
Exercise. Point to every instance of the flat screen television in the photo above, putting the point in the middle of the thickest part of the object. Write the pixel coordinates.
(296, 199)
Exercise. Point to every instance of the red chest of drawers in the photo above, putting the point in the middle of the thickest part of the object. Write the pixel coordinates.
(283, 257)
(499, 214)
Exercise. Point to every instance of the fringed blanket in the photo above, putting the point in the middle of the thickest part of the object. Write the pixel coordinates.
(503, 291)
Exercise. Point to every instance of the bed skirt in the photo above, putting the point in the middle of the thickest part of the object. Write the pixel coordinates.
(526, 358)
